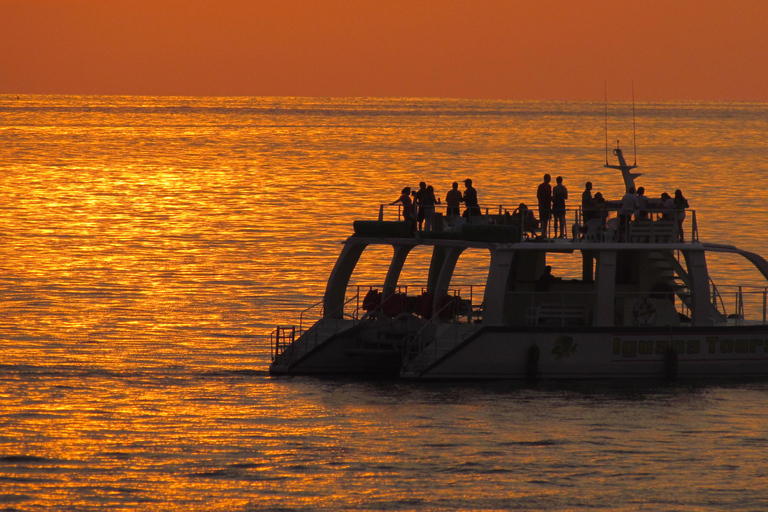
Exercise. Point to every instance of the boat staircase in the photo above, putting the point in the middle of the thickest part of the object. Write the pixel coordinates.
(376, 333)
(287, 349)
(668, 265)
(433, 342)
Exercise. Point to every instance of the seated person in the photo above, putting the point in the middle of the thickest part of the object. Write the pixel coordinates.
(601, 208)
(523, 216)
(546, 279)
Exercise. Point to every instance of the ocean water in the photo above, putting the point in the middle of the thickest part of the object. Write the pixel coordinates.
(148, 247)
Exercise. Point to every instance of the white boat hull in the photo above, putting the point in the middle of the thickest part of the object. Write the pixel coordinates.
(606, 353)
(339, 347)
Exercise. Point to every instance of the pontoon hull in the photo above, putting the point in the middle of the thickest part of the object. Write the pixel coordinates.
(503, 353)
(368, 349)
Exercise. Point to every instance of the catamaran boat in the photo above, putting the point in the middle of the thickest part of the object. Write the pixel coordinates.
(642, 305)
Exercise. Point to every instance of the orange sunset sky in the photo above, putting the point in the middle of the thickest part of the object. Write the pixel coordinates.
(505, 49)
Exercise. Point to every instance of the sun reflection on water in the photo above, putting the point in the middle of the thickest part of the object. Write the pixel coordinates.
(149, 246)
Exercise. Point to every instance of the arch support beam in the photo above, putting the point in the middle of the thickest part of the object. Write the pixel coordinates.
(333, 302)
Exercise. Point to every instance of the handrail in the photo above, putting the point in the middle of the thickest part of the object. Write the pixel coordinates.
(574, 219)
(330, 316)
(716, 296)
(308, 333)
(277, 336)
(417, 338)
(436, 319)
(750, 303)
(301, 315)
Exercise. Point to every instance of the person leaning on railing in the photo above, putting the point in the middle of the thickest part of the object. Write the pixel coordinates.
(408, 213)
(587, 203)
(680, 203)
(600, 209)
(666, 206)
(453, 201)
(628, 208)
(470, 200)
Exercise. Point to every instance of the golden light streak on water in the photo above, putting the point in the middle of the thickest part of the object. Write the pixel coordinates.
(149, 245)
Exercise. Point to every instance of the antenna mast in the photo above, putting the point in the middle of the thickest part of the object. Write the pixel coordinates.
(634, 130)
(629, 177)
(606, 122)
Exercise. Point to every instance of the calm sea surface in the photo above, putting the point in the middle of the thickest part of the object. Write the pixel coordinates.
(148, 247)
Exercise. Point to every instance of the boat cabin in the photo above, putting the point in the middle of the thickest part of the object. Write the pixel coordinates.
(638, 282)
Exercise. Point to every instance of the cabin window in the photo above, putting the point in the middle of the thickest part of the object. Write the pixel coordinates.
(563, 296)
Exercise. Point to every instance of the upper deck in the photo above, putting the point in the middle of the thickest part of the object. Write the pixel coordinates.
(619, 264)
(503, 225)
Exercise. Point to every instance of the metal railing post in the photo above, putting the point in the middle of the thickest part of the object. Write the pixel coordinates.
(765, 302)
(694, 227)
(741, 304)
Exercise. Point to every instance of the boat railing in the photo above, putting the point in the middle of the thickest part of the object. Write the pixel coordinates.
(548, 308)
(717, 299)
(282, 338)
(560, 308)
(365, 302)
(355, 297)
(464, 308)
(603, 225)
(651, 309)
(301, 340)
(747, 305)
(642, 227)
(416, 347)
(732, 304)
(735, 304)
(305, 312)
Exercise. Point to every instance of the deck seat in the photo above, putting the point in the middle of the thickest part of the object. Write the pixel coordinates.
(558, 314)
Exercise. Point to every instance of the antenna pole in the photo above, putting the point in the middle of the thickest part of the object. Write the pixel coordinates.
(606, 122)
(634, 130)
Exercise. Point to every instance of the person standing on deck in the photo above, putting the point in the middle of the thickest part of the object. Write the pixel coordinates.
(628, 208)
(544, 195)
(470, 200)
(453, 201)
(666, 206)
(681, 203)
(587, 203)
(418, 197)
(428, 201)
(408, 213)
(642, 204)
(559, 195)
(601, 209)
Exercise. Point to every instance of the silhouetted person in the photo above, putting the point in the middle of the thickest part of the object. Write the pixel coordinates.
(667, 206)
(428, 201)
(628, 208)
(544, 196)
(680, 203)
(546, 279)
(470, 200)
(417, 197)
(587, 203)
(642, 204)
(601, 209)
(453, 200)
(524, 218)
(408, 213)
(559, 195)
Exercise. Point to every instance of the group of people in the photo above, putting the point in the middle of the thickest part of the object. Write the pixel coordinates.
(419, 205)
(635, 204)
(552, 204)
